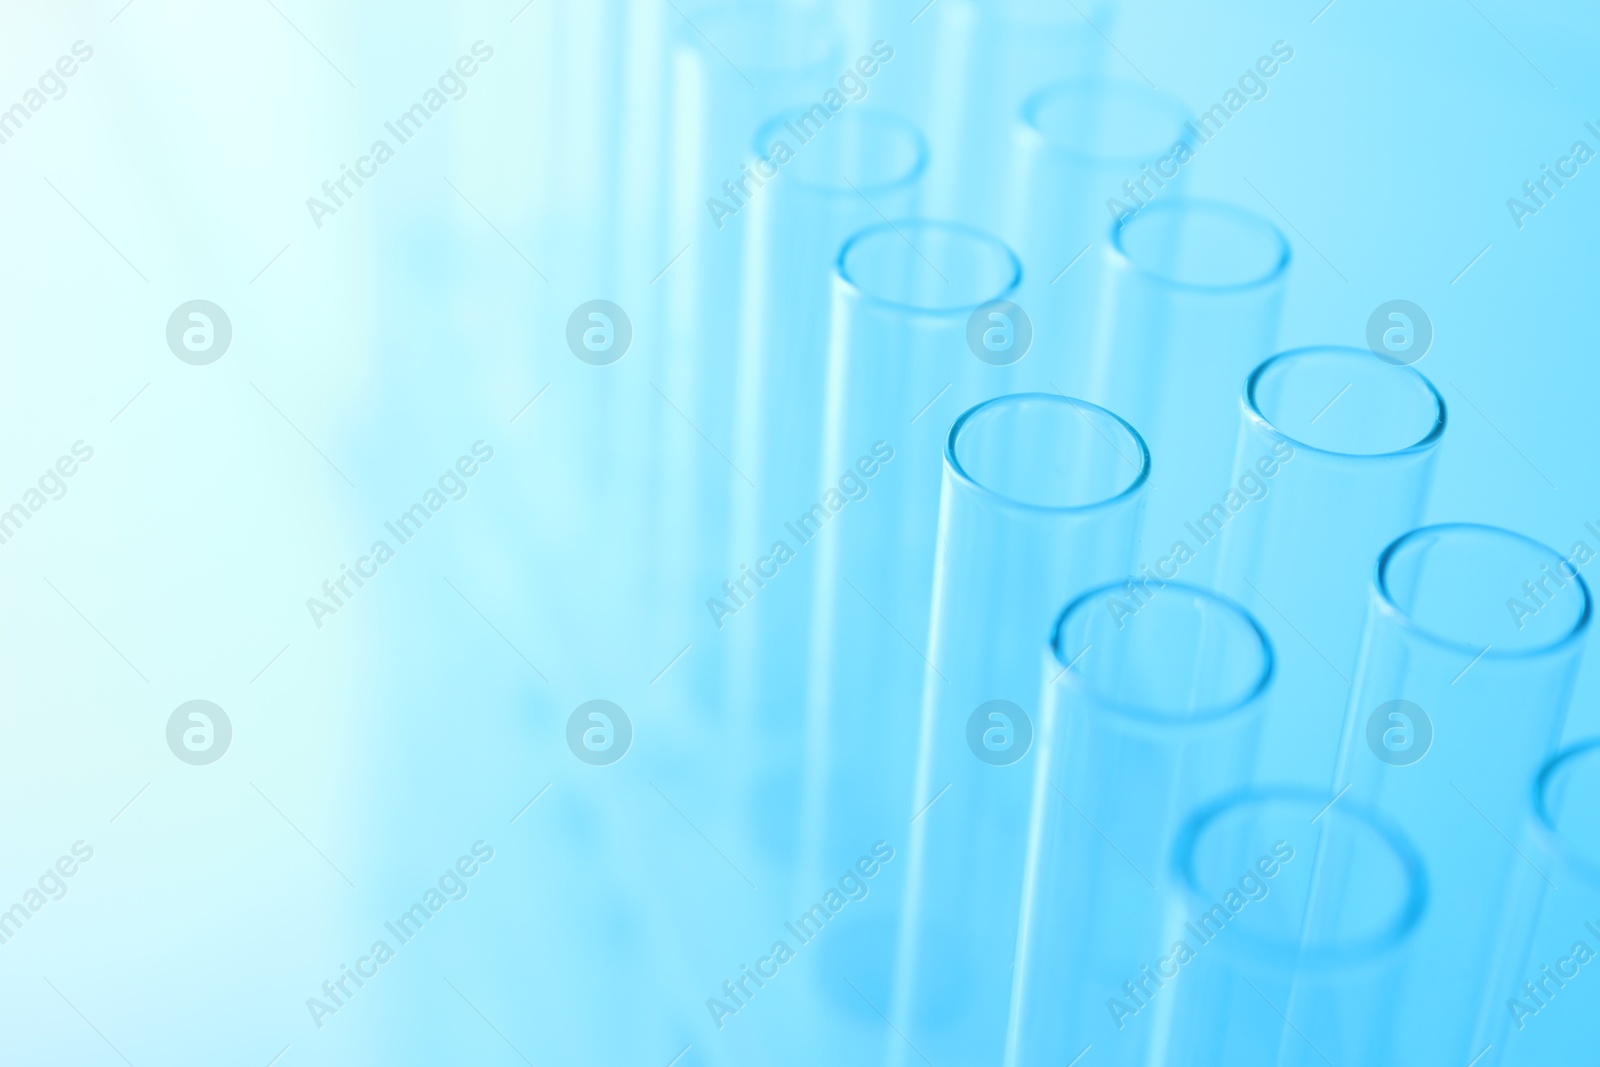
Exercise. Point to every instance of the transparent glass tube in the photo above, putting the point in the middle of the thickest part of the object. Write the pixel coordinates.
(1040, 500)
(731, 69)
(903, 293)
(962, 70)
(1073, 144)
(1542, 1009)
(1472, 643)
(1335, 459)
(1286, 940)
(864, 161)
(1192, 295)
(1152, 700)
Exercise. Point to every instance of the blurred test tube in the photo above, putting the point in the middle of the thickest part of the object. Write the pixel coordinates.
(1288, 938)
(903, 296)
(965, 68)
(1457, 701)
(864, 161)
(1544, 1011)
(1073, 146)
(1040, 500)
(1145, 715)
(1335, 459)
(731, 68)
(1192, 296)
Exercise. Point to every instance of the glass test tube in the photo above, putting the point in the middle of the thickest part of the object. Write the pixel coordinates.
(1287, 940)
(732, 68)
(864, 160)
(1191, 300)
(1073, 145)
(1040, 500)
(1152, 701)
(1545, 1009)
(903, 294)
(969, 67)
(1459, 696)
(1335, 458)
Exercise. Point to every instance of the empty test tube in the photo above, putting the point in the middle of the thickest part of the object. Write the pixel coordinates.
(1040, 500)
(1152, 702)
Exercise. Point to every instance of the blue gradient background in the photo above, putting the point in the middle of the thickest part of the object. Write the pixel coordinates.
(368, 354)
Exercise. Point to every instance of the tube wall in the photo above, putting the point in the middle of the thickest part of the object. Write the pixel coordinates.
(1151, 705)
(1040, 500)
(1191, 301)
(1288, 939)
(898, 355)
(1335, 459)
(1459, 697)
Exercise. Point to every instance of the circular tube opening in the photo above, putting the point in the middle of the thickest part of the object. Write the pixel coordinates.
(1046, 452)
(1483, 590)
(1202, 245)
(1172, 655)
(1566, 805)
(1346, 402)
(872, 150)
(1106, 121)
(1297, 894)
(928, 267)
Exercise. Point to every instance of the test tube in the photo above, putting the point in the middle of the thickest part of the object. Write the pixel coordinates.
(967, 68)
(1335, 459)
(1545, 1009)
(1073, 145)
(1472, 642)
(1040, 500)
(1192, 295)
(1152, 699)
(903, 294)
(1286, 940)
(866, 160)
(731, 68)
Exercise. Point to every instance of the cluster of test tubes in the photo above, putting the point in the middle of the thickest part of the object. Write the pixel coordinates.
(1029, 555)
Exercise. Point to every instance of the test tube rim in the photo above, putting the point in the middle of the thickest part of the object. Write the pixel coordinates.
(843, 276)
(1254, 413)
(1272, 276)
(1544, 823)
(918, 169)
(1274, 953)
(1027, 115)
(1147, 718)
(963, 477)
(1403, 619)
